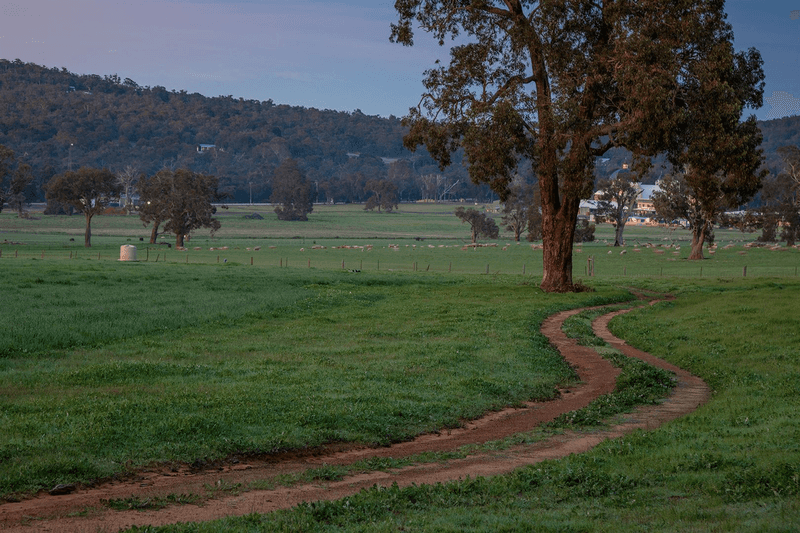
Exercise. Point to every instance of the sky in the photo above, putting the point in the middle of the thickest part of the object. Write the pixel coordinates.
(326, 55)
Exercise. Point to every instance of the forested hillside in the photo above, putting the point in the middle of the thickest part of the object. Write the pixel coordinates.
(55, 120)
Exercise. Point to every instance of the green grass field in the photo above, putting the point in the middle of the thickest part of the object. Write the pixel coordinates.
(417, 238)
(733, 465)
(106, 366)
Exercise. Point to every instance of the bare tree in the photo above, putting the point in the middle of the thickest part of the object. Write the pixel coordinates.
(127, 178)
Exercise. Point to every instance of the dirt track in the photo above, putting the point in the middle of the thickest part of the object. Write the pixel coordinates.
(58, 513)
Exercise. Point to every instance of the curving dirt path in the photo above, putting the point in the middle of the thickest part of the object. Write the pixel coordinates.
(82, 511)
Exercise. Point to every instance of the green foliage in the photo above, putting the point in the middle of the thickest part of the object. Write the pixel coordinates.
(89, 191)
(481, 225)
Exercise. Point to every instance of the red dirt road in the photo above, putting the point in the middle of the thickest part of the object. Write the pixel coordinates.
(82, 511)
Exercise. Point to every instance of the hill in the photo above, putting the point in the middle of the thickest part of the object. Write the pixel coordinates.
(54, 120)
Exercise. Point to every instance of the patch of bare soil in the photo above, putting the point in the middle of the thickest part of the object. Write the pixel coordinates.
(81, 510)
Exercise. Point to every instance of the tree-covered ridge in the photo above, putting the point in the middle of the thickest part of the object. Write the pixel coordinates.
(56, 120)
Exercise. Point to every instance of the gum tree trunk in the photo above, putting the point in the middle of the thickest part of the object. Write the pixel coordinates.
(558, 232)
(698, 239)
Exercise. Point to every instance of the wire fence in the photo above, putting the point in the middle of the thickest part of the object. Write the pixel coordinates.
(760, 264)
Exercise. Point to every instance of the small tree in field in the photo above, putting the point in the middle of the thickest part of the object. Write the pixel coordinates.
(89, 191)
(292, 192)
(617, 196)
(516, 207)
(19, 190)
(481, 225)
(786, 194)
(384, 195)
(180, 199)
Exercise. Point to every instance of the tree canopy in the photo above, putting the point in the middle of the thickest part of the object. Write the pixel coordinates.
(384, 195)
(88, 191)
(292, 192)
(480, 224)
(559, 83)
(182, 200)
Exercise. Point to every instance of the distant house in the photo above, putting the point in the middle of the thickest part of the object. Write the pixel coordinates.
(644, 202)
(206, 147)
(587, 210)
(643, 206)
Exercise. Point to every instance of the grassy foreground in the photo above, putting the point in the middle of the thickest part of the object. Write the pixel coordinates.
(733, 465)
(108, 366)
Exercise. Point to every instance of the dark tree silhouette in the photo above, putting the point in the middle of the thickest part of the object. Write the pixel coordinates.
(19, 190)
(292, 192)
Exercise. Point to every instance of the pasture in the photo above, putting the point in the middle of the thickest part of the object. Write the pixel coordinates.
(731, 466)
(184, 356)
(416, 238)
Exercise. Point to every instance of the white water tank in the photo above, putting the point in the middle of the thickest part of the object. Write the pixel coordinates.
(127, 252)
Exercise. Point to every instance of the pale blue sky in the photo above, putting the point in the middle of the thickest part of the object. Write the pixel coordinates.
(328, 55)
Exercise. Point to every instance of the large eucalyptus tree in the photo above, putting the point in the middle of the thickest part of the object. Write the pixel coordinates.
(558, 83)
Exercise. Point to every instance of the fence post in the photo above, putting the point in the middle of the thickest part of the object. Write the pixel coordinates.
(487, 269)
(523, 269)
(744, 272)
